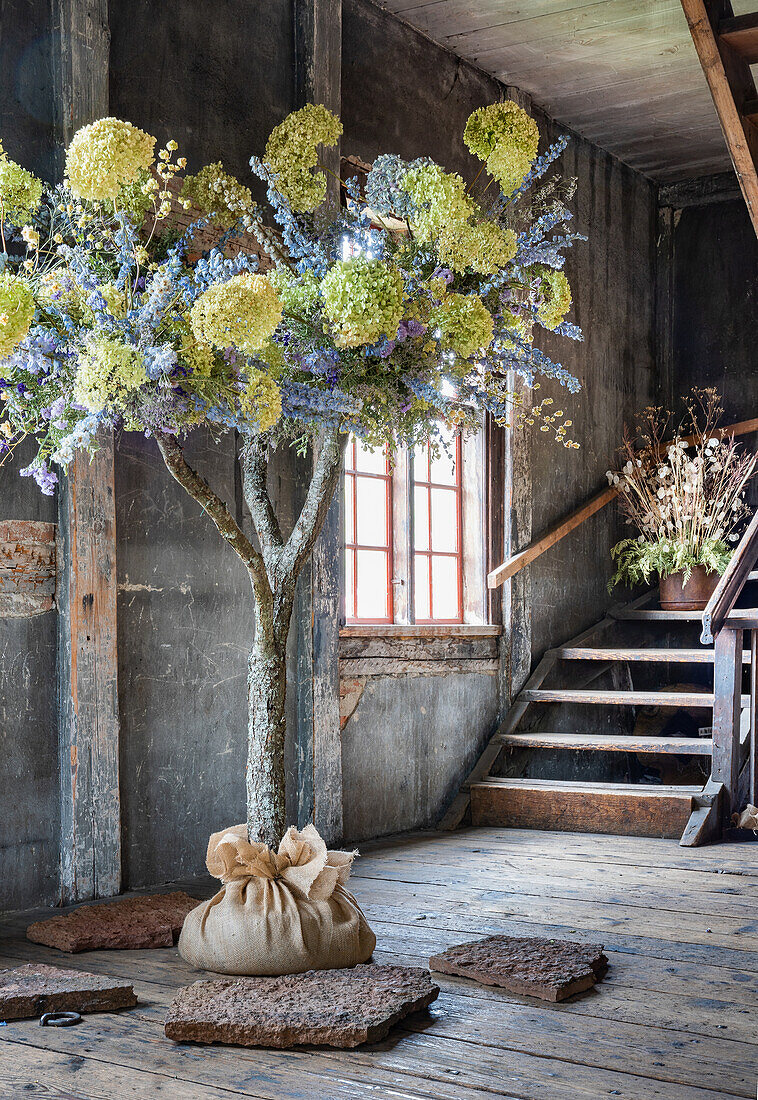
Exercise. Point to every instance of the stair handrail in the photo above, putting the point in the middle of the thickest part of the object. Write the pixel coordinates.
(733, 580)
(518, 561)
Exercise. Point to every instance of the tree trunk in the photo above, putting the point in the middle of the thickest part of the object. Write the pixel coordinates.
(273, 572)
(266, 692)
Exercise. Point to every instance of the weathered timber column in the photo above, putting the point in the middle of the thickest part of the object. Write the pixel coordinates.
(318, 67)
(88, 723)
(516, 649)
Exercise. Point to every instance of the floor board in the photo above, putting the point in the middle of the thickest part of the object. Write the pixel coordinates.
(673, 1020)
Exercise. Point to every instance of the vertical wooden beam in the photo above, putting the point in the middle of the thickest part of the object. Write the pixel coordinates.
(318, 76)
(87, 670)
(727, 691)
(516, 648)
(753, 765)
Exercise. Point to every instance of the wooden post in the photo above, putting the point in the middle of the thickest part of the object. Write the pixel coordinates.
(727, 692)
(753, 765)
(87, 671)
(318, 69)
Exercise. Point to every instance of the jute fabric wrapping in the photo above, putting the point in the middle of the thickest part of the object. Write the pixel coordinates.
(279, 912)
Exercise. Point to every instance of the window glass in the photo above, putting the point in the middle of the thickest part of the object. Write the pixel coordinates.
(368, 542)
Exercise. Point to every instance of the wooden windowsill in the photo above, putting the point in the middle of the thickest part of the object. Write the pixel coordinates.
(420, 630)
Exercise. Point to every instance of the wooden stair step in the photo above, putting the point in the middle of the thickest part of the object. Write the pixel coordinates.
(740, 32)
(701, 656)
(654, 614)
(702, 699)
(691, 746)
(619, 809)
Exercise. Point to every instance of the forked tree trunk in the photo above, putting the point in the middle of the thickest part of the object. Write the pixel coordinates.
(273, 572)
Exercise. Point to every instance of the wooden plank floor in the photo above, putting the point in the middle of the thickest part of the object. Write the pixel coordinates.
(674, 1019)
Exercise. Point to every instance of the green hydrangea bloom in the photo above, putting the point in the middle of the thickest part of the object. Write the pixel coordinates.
(107, 373)
(219, 195)
(20, 191)
(363, 299)
(291, 154)
(506, 139)
(242, 313)
(464, 324)
(485, 247)
(446, 215)
(16, 311)
(554, 294)
(105, 155)
(261, 400)
(298, 293)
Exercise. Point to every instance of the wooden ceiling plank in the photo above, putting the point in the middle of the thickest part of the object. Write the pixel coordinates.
(617, 19)
(740, 134)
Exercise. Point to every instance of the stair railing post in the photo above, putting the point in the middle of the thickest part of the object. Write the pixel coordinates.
(753, 707)
(727, 692)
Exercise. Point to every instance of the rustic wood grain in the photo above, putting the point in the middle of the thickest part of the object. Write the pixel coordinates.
(640, 811)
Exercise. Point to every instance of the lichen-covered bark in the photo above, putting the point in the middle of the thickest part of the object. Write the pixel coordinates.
(273, 572)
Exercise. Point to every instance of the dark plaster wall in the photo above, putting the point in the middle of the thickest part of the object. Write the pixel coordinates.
(27, 104)
(715, 278)
(221, 74)
(29, 804)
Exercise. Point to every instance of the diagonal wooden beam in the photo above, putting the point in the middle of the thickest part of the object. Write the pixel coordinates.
(730, 82)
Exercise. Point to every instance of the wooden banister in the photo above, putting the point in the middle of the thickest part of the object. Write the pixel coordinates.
(516, 562)
(731, 584)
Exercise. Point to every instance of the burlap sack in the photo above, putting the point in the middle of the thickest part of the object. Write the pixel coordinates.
(277, 912)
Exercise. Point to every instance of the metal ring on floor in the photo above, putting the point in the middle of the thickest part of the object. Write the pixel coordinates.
(59, 1019)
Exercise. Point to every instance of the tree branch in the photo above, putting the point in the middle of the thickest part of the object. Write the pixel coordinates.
(326, 472)
(254, 486)
(201, 491)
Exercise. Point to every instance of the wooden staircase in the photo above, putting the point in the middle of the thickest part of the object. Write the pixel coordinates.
(570, 754)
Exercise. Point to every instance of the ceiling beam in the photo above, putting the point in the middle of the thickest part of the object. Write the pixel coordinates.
(731, 84)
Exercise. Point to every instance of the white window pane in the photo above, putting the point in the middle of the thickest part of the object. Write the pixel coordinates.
(445, 588)
(421, 587)
(370, 460)
(444, 467)
(420, 518)
(349, 583)
(372, 511)
(444, 520)
(420, 464)
(349, 515)
(372, 584)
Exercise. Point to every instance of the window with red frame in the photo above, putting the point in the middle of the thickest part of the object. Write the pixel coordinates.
(437, 542)
(368, 535)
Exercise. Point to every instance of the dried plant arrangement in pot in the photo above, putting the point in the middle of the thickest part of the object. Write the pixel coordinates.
(683, 488)
(405, 310)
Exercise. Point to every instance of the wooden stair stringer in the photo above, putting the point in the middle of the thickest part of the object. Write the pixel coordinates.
(719, 38)
(456, 812)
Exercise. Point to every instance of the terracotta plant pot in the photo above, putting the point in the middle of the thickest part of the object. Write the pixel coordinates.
(699, 589)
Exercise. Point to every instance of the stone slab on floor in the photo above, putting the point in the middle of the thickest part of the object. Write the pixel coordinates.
(152, 920)
(530, 965)
(336, 1008)
(35, 988)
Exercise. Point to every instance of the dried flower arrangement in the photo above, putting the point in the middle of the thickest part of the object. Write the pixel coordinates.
(684, 492)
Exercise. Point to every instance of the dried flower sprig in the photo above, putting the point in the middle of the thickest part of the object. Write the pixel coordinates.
(685, 495)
